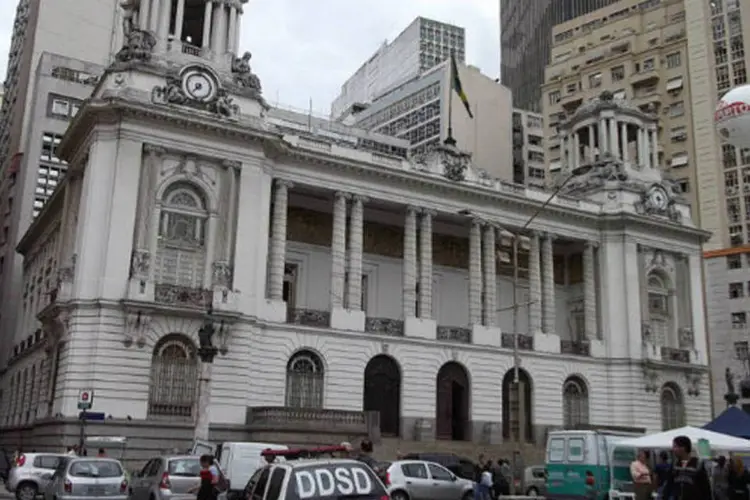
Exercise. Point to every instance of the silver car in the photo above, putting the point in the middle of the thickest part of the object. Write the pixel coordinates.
(27, 477)
(166, 478)
(92, 478)
(420, 480)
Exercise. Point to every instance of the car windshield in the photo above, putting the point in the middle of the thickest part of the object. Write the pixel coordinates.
(333, 481)
(95, 468)
(187, 467)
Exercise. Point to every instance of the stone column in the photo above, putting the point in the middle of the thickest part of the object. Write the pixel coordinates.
(589, 292)
(613, 138)
(203, 408)
(592, 141)
(218, 29)
(603, 146)
(490, 275)
(624, 140)
(153, 16)
(232, 28)
(654, 148)
(236, 34)
(143, 14)
(535, 285)
(475, 273)
(207, 25)
(356, 223)
(410, 263)
(425, 265)
(338, 250)
(576, 149)
(179, 19)
(641, 147)
(548, 286)
(164, 18)
(277, 257)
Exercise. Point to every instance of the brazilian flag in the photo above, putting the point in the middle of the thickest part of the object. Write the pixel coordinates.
(456, 83)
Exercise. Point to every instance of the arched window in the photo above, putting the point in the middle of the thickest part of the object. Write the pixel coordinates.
(181, 251)
(672, 407)
(659, 310)
(304, 380)
(514, 407)
(575, 403)
(174, 378)
(383, 393)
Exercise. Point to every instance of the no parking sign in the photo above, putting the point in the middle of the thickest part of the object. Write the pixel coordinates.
(85, 399)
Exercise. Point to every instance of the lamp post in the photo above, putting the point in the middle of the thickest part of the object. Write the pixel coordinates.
(207, 351)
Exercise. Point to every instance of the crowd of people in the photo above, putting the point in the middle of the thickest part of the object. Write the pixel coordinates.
(492, 478)
(685, 476)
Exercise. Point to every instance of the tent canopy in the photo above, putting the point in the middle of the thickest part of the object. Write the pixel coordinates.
(732, 421)
(663, 440)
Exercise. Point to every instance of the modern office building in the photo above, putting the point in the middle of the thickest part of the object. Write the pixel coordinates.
(424, 44)
(76, 31)
(418, 112)
(528, 149)
(525, 33)
(639, 54)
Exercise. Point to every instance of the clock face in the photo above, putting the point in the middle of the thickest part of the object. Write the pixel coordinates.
(199, 85)
(658, 198)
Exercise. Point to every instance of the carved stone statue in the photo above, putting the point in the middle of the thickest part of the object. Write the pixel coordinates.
(139, 45)
(243, 74)
(729, 377)
(207, 331)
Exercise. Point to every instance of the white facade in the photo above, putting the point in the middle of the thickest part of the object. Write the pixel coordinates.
(422, 45)
(528, 148)
(174, 190)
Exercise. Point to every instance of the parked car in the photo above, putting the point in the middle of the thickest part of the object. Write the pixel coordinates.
(27, 476)
(93, 478)
(422, 480)
(166, 478)
(5, 466)
(460, 466)
(535, 481)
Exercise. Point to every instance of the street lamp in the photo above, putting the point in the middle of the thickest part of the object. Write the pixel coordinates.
(207, 352)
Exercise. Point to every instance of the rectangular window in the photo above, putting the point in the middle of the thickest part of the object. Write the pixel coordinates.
(734, 261)
(734, 214)
(720, 52)
(684, 185)
(674, 60)
(576, 449)
(677, 109)
(741, 350)
(595, 80)
(554, 97)
(60, 107)
(678, 134)
(731, 183)
(722, 78)
(739, 72)
(648, 64)
(571, 88)
(556, 451)
(736, 290)
(618, 73)
(50, 142)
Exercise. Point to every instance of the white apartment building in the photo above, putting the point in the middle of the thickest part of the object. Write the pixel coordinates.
(424, 44)
(528, 149)
(380, 305)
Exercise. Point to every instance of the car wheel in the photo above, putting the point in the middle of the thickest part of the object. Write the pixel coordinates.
(469, 495)
(26, 491)
(532, 492)
(399, 495)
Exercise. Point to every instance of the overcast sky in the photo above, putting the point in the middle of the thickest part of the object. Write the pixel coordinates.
(305, 49)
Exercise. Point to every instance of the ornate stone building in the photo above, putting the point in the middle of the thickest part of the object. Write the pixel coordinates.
(350, 286)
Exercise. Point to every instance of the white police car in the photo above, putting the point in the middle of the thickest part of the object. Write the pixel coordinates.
(314, 479)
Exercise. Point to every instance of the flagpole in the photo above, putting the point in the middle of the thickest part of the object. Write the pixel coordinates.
(450, 140)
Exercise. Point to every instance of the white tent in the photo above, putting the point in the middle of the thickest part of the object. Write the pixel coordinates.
(663, 440)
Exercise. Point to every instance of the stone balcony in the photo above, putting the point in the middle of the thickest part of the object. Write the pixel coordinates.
(312, 420)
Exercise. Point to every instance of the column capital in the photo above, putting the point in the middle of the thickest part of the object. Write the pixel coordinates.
(359, 198)
(428, 212)
(283, 183)
(341, 194)
(412, 210)
(591, 244)
(234, 164)
(478, 221)
(153, 150)
(551, 237)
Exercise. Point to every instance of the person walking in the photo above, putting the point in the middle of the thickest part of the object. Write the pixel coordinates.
(720, 478)
(641, 474)
(661, 472)
(687, 479)
(206, 489)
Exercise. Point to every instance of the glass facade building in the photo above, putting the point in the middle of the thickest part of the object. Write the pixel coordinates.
(525, 40)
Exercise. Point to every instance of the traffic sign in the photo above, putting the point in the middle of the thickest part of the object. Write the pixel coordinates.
(85, 399)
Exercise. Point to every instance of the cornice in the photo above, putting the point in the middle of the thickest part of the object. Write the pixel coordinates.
(44, 220)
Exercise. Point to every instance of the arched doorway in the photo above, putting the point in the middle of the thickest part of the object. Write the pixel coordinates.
(512, 410)
(382, 393)
(452, 402)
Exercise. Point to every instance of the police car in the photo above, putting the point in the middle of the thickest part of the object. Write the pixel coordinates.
(304, 474)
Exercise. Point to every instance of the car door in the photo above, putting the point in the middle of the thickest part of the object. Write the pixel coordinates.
(44, 467)
(259, 488)
(443, 483)
(139, 485)
(418, 484)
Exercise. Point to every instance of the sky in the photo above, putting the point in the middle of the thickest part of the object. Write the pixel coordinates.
(304, 50)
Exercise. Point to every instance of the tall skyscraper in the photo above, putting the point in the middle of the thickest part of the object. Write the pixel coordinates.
(424, 44)
(525, 41)
(57, 51)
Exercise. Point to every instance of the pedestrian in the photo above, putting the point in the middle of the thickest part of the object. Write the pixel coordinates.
(661, 472)
(641, 475)
(687, 479)
(206, 489)
(101, 453)
(738, 480)
(720, 478)
(347, 449)
(365, 454)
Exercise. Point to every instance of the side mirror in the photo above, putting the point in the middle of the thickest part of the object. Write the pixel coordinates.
(454, 478)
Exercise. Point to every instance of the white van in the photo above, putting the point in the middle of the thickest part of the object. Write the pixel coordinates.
(239, 461)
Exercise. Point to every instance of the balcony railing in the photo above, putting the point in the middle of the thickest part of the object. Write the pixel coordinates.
(309, 317)
(385, 326)
(577, 347)
(525, 342)
(176, 295)
(282, 418)
(454, 334)
(675, 355)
